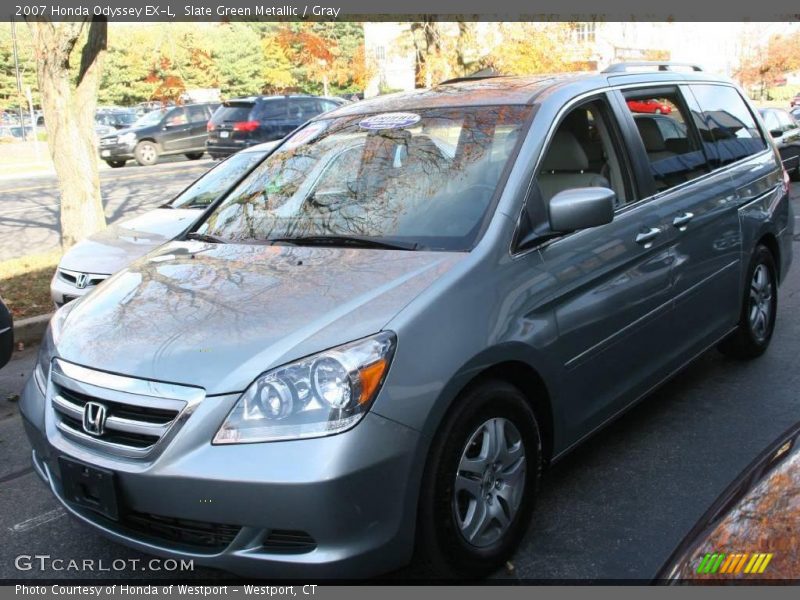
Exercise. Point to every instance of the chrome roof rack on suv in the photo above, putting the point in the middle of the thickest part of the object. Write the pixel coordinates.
(661, 66)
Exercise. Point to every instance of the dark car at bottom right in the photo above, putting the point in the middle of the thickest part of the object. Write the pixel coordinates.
(752, 531)
(244, 122)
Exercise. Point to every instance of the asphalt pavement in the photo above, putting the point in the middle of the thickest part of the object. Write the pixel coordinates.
(29, 205)
(613, 509)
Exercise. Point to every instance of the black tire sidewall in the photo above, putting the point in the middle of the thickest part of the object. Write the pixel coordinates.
(442, 544)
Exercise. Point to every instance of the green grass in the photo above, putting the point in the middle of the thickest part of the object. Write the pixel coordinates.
(25, 283)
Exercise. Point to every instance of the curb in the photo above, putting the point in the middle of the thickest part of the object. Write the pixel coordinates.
(30, 331)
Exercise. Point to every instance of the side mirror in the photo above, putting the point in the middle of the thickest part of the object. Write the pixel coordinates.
(581, 208)
(776, 133)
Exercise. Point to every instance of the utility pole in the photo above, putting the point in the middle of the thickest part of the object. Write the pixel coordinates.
(19, 79)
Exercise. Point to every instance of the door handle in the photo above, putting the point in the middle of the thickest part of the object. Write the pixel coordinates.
(681, 221)
(645, 238)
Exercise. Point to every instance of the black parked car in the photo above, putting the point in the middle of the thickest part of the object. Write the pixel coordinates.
(244, 122)
(176, 130)
(785, 130)
(6, 334)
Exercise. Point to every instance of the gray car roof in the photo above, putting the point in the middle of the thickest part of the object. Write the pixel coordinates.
(518, 90)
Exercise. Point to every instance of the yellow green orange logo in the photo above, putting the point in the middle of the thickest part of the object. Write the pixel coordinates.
(733, 564)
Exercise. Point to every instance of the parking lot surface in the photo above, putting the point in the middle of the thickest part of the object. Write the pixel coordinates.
(29, 212)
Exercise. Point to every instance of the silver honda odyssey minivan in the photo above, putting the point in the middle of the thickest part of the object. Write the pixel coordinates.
(369, 350)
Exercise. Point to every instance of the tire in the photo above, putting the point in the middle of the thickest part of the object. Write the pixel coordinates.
(194, 155)
(658, 111)
(116, 164)
(446, 516)
(146, 153)
(759, 307)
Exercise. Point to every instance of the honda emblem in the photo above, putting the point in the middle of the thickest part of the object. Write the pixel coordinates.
(94, 418)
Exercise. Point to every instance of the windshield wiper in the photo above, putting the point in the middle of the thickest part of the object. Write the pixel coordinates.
(204, 237)
(344, 240)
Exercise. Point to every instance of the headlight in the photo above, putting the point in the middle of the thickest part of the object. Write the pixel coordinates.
(45, 356)
(322, 394)
(126, 138)
(47, 349)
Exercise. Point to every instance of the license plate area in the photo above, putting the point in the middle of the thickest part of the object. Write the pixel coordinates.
(89, 487)
(224, 134)
(105, 153)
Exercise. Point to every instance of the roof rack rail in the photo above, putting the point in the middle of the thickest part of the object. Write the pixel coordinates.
(624, 67)
(487, 73)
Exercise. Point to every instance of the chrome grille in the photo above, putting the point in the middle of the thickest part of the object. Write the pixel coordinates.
(81, 280)
(108, 141)
(140, 415)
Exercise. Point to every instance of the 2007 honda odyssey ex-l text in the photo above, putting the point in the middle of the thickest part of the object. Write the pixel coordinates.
(371, 347)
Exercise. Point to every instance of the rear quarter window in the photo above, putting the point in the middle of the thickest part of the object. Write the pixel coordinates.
(270, 109)
(730, 133)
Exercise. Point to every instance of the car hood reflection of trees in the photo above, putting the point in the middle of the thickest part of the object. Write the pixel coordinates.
(219, 315)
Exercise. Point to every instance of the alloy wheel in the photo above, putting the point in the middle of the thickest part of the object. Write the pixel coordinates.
(760, 302)
(490, 482)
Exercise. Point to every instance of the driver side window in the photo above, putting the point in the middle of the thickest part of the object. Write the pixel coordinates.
(583, 153)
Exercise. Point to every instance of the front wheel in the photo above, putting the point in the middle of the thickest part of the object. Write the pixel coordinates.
(759, 307)
(194, 155)
(146, 153)
(479, 484)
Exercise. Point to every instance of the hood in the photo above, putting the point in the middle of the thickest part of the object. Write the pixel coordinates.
(136, 130)
(114, 248)
(218, 315)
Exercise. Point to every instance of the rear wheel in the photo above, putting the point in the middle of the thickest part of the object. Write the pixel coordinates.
(759, 307)
(115, 164)
(479, 484)
(194, 155)
(146, 153)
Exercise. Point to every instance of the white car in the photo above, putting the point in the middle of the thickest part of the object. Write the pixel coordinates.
(99, 256)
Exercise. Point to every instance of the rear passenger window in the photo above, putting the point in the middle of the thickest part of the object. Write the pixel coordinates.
(303, 109)
(671, 145)
(197, 114)
(272, 109)
(730, 124)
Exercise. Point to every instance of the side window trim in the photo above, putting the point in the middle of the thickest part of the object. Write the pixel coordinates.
(533, 192)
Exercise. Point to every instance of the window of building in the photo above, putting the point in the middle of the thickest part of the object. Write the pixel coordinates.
(584, 32)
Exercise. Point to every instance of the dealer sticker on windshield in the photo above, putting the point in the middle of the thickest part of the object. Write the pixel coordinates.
(398, 120)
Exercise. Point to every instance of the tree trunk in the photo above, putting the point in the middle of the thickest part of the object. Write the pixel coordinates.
(69, 108)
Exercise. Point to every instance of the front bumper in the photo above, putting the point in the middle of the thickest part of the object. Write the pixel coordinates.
(63, 291)
(116, 151)
(353, 494)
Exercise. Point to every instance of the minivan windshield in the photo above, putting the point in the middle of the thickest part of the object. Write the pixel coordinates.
(422, 179)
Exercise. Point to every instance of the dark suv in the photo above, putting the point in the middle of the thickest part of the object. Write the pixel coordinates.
(176, 130)
(243, 122)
